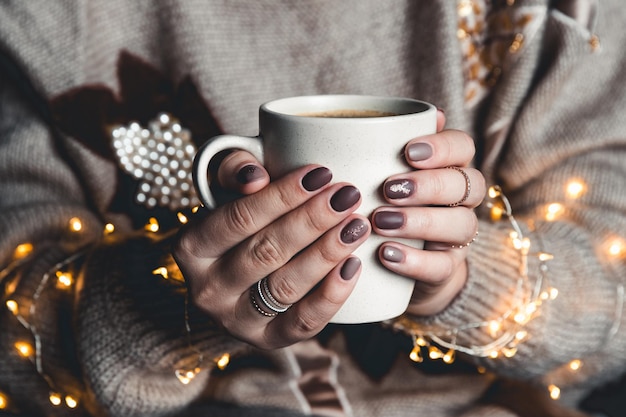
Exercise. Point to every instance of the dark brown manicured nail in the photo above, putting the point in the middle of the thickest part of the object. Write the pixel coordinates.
(345, 198)
(349, 268)
(392, 254)
(397, 189)
(248, 174)
(316, 178)
(353, 231)
(419, 151)
(388, 220)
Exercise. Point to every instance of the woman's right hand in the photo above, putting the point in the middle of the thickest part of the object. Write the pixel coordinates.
(297, 231)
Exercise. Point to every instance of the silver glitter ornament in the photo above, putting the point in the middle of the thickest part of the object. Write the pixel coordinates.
(160, 157)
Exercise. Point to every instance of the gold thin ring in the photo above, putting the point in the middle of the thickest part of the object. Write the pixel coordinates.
(468, 186)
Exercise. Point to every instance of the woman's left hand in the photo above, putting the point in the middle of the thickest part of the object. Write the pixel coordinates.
(433, 203)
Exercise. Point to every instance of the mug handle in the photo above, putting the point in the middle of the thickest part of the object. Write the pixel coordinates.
(207, 152)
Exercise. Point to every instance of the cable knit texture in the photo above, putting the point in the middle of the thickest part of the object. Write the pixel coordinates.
(72, 70)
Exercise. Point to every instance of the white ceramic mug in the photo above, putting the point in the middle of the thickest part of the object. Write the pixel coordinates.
(357, 148)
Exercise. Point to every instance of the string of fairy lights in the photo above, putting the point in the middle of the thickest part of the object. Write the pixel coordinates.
(61, 278)
(506, 331)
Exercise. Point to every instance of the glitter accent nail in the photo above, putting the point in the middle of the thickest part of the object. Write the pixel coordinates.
(353, 231)
(397, 189)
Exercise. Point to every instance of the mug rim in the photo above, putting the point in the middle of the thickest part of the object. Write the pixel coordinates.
(300, 105)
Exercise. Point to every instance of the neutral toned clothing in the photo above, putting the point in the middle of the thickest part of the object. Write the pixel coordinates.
(538, 84)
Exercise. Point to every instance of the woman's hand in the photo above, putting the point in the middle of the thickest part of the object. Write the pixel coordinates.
(433, 203)
(294, 235)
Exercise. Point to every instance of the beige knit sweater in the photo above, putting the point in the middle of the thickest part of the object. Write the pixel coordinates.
(539, 84)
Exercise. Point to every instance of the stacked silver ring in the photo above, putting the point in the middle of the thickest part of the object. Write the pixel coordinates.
(267, 299)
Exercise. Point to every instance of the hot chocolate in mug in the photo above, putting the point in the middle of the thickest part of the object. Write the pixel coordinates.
(361, 140)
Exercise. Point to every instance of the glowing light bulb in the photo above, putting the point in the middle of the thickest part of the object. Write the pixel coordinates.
(543, 256)
(4, 401)
(70, 401)
(22, 250)
(496, 213)
(555, 392)
(420, 341)
(494, 354)
(195, 209)
(509, 352)
(434, 353)
(223, 361)
(64, 279)
(465, 8)
(575, 364)
(416, 354)
(12, 306)
(521, 335)
(55, 398)
(531, 308)
(76, 225)
(616, 248)
(575, 188)
(520, 318)
(449, 356)
(182, 218)
(109, 228)
(161, 271)
(553, 293)
(152, 225)
(493, 192)
(185, 376)
(553, 211)
(24, 349)
(494, 328)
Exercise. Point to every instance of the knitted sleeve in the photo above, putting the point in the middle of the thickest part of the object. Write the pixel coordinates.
(544, 298)
(94, 321)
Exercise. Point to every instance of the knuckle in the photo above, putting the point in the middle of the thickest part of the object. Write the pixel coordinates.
(306, 324)
(284, 196)
(329, 255)
(313, 221)
(333, 298)
(284, 292)
(266, 252)
(240, 216)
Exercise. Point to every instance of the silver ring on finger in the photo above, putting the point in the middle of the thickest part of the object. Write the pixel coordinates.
(268, 300)
(468, 186)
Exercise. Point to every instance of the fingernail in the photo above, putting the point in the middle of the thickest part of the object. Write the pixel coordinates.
(316, 179)
(248, 174)
(345, 198)
(349, 268)
(396, 189)
(353, 231)
(388, 219)
(441, 110)
(419, 151)
(392, 254)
